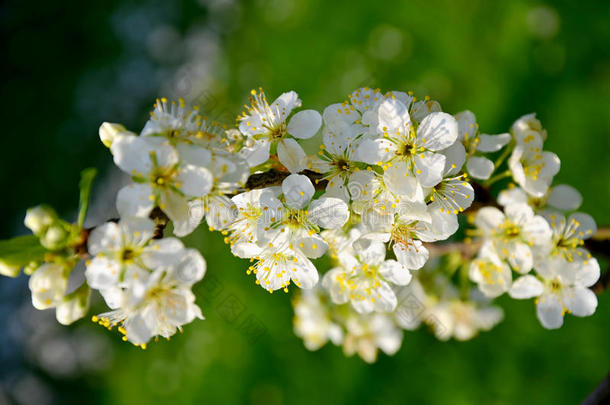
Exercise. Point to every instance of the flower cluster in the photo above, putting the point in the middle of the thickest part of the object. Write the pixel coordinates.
(147, 283)
(537, 230)
(389, 180)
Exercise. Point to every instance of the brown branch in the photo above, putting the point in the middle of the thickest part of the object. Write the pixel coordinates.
(598, 245)
(275, 177)
(468, 250)
(161, 220)
(601, 394)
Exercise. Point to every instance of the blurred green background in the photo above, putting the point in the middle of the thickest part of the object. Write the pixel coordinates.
(67, 66)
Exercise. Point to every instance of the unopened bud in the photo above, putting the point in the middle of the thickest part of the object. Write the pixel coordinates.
(37, 219)
(31, 267)
(109, 131)
(48, 285)
(9, 271)
(73, 306)
(54, 238)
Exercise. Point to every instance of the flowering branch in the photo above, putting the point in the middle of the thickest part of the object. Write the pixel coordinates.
(391, 178)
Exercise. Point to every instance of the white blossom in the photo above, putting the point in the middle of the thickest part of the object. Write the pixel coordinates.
(313, 322)
(160, 178)
(366, 334)
(161, 305)
(408, 155)
(268, 123)
(365, 280)
(514, 233)
(476, 144)
(531, 167)
(562, 287)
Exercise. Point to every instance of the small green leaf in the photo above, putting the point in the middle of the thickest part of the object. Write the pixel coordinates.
(18, 252)
(86, 181)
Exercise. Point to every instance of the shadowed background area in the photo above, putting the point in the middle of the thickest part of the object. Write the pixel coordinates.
(68, 67)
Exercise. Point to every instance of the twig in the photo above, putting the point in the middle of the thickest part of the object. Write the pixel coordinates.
(275, 177)
(601, 394)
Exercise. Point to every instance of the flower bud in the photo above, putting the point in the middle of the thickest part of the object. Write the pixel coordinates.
(48, 285)
(54, 238)
(108, 131)
(31, 267)
(9, 271)
(73, 306)
(37, 219)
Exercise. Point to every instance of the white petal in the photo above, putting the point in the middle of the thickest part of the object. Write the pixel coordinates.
(256, 153)
(164, 252)
(385, 298)
(246, 250)
(374, 151)
(421, 109)
(564, 197)
(177, 209)
(400, 180)
(455, 157)
(304, 124)
(429, 168)
(138, 332)
(520, 257)
(337, 188)
(312, 246)
(297, 190)
(304, 274)
(550, 311)
(437, 131)
(488, 218)
(413, 256)
(291, 155)
(190, 269)
(393, 115)
(550, 165)
(365, 99)
(135, 200)
(194, 155)
(290, 100)
(587, 272)
(112, 296)
(480, 167)
(196, 212)
(194, 181)
(526, 287)
(519, 214)
(441, 226)
(467, 124)
(492, 143)
(581, 301)
(395, 272)
(586, 224)
(363, 185)
(132, 154)
(251, 125)
(136, 231)
(220, 212)
(105, 238)
(537, 231)
(370, 251)
(512, 196)
(329, 213)
(102, 273)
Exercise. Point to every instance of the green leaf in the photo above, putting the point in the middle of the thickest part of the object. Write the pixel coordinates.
(86, 181)
(17, 252)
